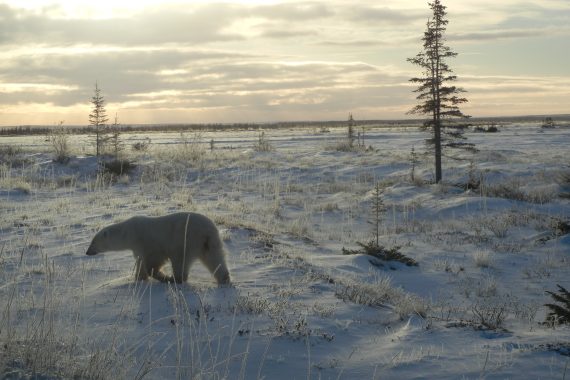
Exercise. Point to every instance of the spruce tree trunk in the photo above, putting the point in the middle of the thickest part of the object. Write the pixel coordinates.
(437, 126)
(97, 142)
(437, 130)
(437, 133)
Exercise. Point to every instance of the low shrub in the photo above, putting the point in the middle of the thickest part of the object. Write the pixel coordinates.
(369, 294)
(11, 156)
(117, 167)
(9, 150)
(483, 259)
(59, 140)
(564, 180)
(141, 146)
(489, 316)
(489, 129)
(514, 190)
(262, 144)
(561, 227)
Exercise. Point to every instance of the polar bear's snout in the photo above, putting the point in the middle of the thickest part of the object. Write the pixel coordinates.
(91, 250)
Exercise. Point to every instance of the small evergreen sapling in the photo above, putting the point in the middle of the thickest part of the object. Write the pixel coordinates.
(373, 247)
(262, 144)
(382, 253)
(559, 313)
(115, 139)
(361, 138)
(548, 122)
(378, 210)
(98, 119)
(474, 181)
(119, 165)
(414, 160)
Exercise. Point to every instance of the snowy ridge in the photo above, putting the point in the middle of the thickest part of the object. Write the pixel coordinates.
(299, 308)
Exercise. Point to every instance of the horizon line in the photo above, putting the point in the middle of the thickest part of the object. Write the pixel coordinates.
(292, 122)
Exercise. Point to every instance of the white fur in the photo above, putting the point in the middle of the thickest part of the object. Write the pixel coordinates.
(179, 238)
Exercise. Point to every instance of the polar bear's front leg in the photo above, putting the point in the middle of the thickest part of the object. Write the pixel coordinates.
(214, 260)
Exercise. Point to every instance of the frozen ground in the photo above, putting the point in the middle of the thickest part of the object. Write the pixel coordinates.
(300, 309)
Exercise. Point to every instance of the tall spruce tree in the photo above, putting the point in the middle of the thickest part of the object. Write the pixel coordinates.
(378, 209)
(98, 119)
(115, 138)
(437, 97)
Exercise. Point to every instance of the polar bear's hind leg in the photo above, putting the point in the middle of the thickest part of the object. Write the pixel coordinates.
(158, 274)
(144, 270)
(141, 272)
(181, 267)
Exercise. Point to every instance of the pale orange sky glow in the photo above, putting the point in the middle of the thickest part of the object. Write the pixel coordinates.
(255, 61)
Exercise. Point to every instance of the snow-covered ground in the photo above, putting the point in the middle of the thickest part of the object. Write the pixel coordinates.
(299, 308)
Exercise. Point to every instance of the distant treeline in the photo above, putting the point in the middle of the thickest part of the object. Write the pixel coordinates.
(44, 130)
(87, 129)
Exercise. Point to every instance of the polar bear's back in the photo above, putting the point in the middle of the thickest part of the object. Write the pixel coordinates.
(170, 230)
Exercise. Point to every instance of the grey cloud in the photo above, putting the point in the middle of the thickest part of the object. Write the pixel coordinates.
(511, 89)
(315, 100)
(204, 24)
(254, 74)
(305, 11)
(280, 33)
(282, 29)
(315, 86)
(201, 25)
(386, 15)
(502, 34)
(119, 72)
(533, 10)
(201, 79)
(351, 43)
(169, 24)
(382, 41)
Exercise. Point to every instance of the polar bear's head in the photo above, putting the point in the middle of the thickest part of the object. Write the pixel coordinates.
(102, 242)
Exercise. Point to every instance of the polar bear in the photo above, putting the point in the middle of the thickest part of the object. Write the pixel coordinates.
(179, 238)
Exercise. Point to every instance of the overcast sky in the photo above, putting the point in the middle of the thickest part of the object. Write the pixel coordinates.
(239, 61)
